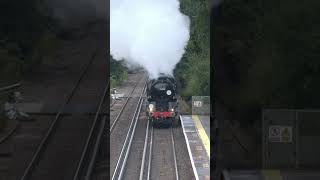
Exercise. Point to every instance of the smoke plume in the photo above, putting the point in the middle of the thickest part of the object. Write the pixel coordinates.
(151, 33)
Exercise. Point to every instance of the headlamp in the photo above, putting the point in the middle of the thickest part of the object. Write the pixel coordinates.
(151, 106)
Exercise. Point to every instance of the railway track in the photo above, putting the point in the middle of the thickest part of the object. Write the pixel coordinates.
(118, 164)
(89, 154)
(112, 103)
(115, 101)
(152, 156)
(60, 153)
(145, 152)
(139, 151)
(119, 131)
(100, 168)
(114, 121)
(149, 154)
(159, 158)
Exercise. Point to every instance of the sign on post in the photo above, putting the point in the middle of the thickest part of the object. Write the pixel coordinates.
(201, 105)
(282, 134)
(197, 103)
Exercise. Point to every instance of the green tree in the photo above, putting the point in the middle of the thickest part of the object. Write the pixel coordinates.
(118, 72)
(24, 36)
(193, 71)
(270, 51)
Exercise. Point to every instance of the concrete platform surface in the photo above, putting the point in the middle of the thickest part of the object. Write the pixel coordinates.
(196, 130)
(271, 175)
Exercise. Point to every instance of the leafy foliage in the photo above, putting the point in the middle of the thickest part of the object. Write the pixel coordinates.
(118, 72)
(193, 71)
(24, 36)
(270, 51)
(2, 113)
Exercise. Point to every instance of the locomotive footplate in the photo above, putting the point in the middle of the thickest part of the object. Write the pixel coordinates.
(162, 121)
(162, 115)
(161, 118)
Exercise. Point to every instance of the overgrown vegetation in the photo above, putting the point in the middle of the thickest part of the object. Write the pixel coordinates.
(193, 71)
(118, 72)
(2, 115)
(25, 37)
(270, 53)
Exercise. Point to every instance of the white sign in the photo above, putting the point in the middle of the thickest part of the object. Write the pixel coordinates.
(197, 103)
(280, 134)
(116, 96)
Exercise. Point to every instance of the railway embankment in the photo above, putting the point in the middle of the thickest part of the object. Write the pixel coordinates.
(48, 85)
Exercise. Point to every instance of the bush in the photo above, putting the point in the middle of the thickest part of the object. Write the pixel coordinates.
(118, 72)
(193, 71)
(24, 37)
(2, 115)
(270, 51)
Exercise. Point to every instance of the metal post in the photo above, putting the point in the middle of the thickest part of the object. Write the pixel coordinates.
(10, 87)
(296, 128)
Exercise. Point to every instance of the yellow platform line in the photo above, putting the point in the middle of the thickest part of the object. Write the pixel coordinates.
(202, 133)
(272, 175)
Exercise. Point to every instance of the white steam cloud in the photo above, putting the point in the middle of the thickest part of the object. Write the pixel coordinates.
(151, 33)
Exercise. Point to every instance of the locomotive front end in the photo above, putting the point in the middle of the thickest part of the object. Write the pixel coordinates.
(162, 103)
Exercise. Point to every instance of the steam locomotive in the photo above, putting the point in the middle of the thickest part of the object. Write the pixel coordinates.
(162, 103)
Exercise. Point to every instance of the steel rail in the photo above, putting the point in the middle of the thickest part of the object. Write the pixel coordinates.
(10, 133)
(50, 131)
(122, 108)
(93, 127)
(150, 154)
(144, 151)
(124, 145)
(114, 101)
(96, 150)
(130, 143)
(16, 85)
(131, 130)
(174, 155)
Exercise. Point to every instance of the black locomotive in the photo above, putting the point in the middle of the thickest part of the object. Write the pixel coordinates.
(162, 100)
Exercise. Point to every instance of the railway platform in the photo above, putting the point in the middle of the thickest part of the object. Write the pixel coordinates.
(270, 174)
(196, 130)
